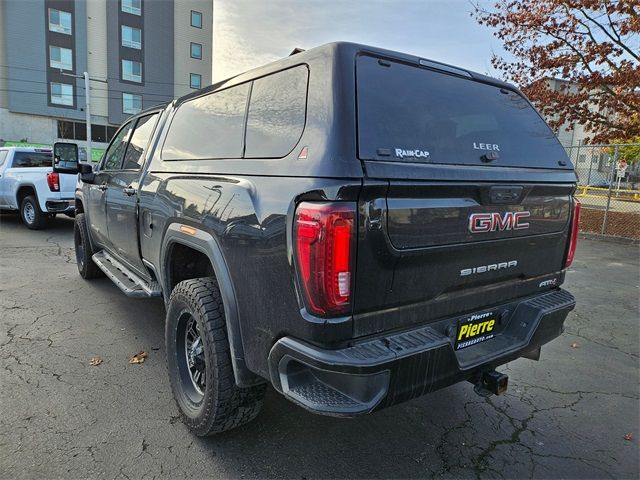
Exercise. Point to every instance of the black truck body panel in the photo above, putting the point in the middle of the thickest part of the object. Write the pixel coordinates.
(412, 237)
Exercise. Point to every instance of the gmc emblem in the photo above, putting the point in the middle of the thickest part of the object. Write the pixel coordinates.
(491, 222)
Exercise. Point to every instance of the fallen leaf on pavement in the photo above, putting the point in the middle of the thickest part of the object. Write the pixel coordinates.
(139, 357)
(628, 436)
(574, 345)
(95, 361)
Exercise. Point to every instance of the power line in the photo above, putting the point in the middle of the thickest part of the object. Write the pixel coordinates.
(108, 78)
(81, 87)
(108, 97)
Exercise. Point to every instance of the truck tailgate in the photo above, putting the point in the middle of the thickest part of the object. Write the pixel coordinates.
(68, 185)
(428, 250)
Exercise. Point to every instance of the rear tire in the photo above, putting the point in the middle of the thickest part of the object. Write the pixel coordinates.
(83, 249)
(199, 361)
(32, 216)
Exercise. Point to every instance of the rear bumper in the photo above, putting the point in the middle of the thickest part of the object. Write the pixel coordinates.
(390, 369)
(60, 206)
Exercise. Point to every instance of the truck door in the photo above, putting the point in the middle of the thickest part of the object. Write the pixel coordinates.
(122, 195)
(4, 155)
(96, 208)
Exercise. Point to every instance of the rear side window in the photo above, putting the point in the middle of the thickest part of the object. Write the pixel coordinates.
(3, 157)
(32, 159)
(211, 126)
(277, 112)
(411, 114)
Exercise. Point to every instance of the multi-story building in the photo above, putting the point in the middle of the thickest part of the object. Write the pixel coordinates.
(139, 53)
(569, 134)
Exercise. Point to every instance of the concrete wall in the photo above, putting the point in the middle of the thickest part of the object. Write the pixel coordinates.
(184, 34)
(33, 128)
(4, 71)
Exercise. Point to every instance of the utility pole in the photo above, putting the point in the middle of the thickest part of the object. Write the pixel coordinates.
(87, 108)
(87, 111)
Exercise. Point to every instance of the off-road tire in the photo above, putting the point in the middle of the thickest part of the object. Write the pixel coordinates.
(32, 216)
(223, 405)
(87, 268)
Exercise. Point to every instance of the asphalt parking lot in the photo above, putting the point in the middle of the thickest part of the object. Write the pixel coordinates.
(565, 416)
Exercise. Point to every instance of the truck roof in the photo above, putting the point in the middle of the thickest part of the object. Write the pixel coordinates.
(345, 50)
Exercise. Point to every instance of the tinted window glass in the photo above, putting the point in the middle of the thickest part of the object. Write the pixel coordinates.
(412, 114)
(98, 133)
(3, 156)
(196, 19)
(65, 129)
(139, 141)
(113, 156)
(211, 126)
(80, 131)
(276, 113)
(196, 50)
(32, 159)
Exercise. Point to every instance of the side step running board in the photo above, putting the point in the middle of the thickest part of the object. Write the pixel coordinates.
(127, 281)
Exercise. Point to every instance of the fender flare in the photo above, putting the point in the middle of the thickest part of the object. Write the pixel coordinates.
(14, 194)
(205, 243)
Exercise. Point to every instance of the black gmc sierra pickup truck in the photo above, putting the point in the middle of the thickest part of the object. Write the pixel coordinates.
(355, 226)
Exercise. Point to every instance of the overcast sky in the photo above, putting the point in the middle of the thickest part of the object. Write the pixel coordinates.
(250, 33)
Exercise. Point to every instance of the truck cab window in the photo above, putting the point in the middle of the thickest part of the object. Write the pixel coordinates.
(115, 152)
(139, 141)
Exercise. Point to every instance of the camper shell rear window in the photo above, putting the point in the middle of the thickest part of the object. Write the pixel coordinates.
(407, 113)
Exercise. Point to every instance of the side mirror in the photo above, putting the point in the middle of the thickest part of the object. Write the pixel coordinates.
(65, 157)
(86, 172)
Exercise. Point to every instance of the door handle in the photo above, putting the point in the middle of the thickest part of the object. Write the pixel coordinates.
(129, 191)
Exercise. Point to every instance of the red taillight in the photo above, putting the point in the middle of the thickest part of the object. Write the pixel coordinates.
(53, 180)
(575, 225)
(324, 242)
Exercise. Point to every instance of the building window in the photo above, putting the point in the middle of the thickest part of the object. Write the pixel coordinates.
(196, 81)
(132, 71)
(59, 21)
(132, 6)
(80, 130)
(196, 19)
(65, 130)
(62, 94)
(111, 132)
(196, 51)
(131, 37)
(99, 133)
(60, 58)
(131, 103)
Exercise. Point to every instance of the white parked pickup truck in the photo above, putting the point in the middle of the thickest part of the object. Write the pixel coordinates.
(29, 184)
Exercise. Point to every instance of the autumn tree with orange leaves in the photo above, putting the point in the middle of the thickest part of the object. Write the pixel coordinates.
(592, 44)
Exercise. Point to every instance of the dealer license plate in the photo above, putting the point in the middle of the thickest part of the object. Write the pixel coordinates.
(475, 329)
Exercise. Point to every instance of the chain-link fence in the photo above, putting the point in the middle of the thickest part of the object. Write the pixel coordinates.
(609, 188)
